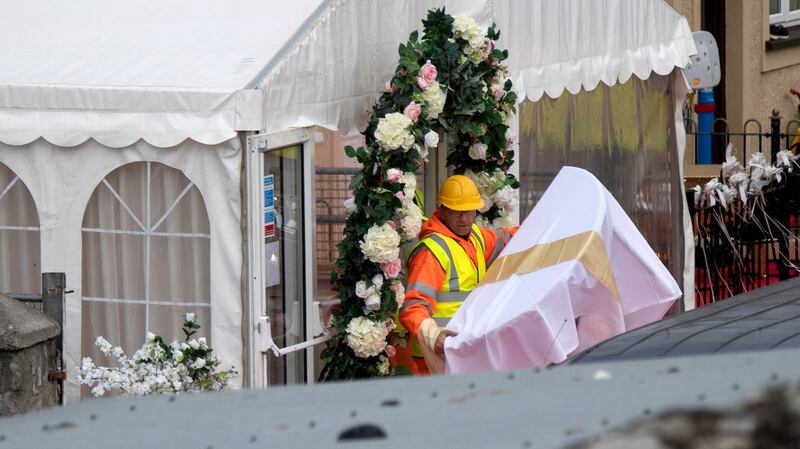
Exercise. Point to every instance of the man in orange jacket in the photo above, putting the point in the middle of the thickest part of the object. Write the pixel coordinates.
(448, 262)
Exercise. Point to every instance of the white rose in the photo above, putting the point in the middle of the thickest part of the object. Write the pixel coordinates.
(194, 344)
(393, 132)
(478, 150)
(434, 100)
(350, 205)
(431, 139)
(423, 151)
(178, 356)
(409, 181)
(506, 198)
(366, 337)
(373, 303)
(151, 336)
(199, 363)
(203, 343)
(411, 221)
(377, 281)
(362, 291)
(381, 244)
(189, 317)
(466, 28)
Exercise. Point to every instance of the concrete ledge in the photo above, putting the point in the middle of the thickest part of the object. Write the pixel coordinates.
(21, 326)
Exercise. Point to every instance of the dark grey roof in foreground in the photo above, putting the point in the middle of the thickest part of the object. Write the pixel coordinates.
(760, 320)
(537, 409)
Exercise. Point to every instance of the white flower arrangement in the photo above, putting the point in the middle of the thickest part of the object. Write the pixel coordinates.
(157, 368)
(478, 150)
(393, 132)
(431, 139)
(434, 99)
(381, 244)
(411, 223)
(367, 338)
(466, 28)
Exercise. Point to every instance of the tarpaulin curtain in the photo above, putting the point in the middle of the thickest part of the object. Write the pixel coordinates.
(145, 257)
(625, 136)
(20, 270)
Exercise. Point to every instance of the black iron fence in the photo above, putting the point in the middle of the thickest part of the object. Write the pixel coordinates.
(753, 138)
(745, 246)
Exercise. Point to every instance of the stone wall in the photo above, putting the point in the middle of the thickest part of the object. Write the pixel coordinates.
(27, 356)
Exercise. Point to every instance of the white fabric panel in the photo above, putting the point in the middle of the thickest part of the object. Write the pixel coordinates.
(62, 180)
(535, 318)
(334, 73)
(576, 44)
(121, 71)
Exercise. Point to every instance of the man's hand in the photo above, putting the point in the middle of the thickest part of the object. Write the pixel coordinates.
(438, 348)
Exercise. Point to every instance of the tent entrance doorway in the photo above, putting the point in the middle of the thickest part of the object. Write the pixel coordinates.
(286, 321)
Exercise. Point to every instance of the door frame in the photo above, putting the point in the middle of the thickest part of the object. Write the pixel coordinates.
(259, 332)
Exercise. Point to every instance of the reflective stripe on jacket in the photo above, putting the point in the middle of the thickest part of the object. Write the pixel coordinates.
(426, 274)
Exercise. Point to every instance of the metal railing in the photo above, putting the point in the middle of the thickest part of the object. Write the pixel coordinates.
(333, 188)
(741, 248)
(752, 139)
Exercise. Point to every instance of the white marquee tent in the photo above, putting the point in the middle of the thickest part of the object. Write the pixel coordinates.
(124, 131)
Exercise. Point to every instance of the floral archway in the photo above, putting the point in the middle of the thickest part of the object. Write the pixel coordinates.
(450, 81)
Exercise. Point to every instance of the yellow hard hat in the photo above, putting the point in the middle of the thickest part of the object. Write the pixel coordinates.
(459, 193)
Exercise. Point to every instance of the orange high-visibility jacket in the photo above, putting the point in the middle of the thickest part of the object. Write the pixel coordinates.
(424, 269)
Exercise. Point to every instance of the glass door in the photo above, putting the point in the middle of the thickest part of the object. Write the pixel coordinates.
(284, 276)
(282, 259)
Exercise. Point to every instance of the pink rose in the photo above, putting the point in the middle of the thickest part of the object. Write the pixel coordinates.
(422, 83)
(400, 195)
(428, 72)
(397, 287)
(389, 87)
(497, 91)
(390, 351)
(391, 269)
(391, 224)
(394, 175)
(412, 111)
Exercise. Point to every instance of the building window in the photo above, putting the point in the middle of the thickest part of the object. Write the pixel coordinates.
(784, 11)
(20, 271)
(146, 244)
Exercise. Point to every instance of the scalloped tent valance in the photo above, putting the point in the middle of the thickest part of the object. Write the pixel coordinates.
(332, 74)
(164, 72)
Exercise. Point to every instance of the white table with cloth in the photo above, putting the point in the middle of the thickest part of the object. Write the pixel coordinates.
(576, 273)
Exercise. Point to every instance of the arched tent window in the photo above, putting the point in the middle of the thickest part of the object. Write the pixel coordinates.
(20, 270)
(145, 257)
